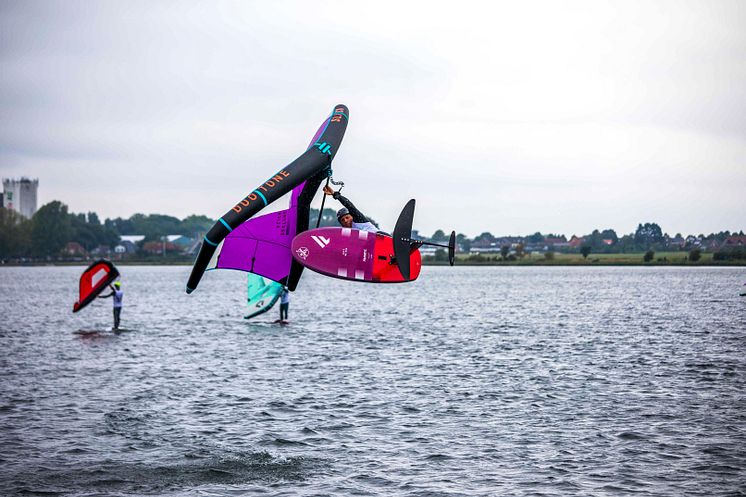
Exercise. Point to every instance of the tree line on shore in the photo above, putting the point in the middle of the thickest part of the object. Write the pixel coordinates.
(53, 227)
(647, 236)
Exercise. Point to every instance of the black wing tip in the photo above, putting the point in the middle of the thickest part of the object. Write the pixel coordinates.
(402, 239)
(452, 248)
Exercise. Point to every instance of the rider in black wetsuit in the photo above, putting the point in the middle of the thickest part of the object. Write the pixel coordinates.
(349, 216)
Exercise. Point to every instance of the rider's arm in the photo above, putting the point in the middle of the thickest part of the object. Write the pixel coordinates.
(357, 216)
(108, 294)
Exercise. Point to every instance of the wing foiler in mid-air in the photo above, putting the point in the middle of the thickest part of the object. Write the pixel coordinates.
(262, 245)
(358, 255)
(93, 281)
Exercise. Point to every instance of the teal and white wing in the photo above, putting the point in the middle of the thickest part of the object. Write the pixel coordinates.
(261, 295)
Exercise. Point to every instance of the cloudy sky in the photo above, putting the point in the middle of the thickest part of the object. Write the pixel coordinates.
(508, 117)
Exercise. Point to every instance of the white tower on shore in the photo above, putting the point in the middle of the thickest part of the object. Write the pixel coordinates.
(20, 195)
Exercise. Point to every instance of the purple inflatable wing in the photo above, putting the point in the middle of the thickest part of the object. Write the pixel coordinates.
(261, 245)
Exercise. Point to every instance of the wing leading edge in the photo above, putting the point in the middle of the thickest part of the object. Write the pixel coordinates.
(303, 176)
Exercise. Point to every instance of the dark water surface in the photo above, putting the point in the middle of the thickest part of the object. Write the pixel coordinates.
(470, 381)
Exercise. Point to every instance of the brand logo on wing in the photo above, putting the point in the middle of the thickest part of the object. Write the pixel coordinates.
(322, 241)
(324, 147)
(302, 253)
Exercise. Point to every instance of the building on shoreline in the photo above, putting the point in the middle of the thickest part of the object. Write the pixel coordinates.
(20, 195)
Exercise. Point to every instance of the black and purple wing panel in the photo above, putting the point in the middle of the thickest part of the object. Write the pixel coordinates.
(309, 166)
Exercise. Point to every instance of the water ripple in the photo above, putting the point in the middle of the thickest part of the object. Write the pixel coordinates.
(468, 382)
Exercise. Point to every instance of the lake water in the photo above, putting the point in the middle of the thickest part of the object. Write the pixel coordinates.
(468, 382)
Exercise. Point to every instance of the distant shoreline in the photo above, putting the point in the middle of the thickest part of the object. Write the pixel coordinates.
(591, 264)
(680, 259)
(569, 261)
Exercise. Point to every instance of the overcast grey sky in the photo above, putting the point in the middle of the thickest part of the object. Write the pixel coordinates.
(509, 117)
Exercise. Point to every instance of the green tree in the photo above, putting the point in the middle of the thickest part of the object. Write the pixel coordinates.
(549, 255)
(90, 233)
(108, 237)
(647, 235)
(439, 236)
(121, 226)
(626, 244)
(504, 251)
(82, 232)
(93, 219)
(585, 250)
(195, 225)
(648, 256)
(695, 254)
(14, 234)
(154, 226)
(51, 229)
(486, 236)
(594, 240)
(464, 242)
